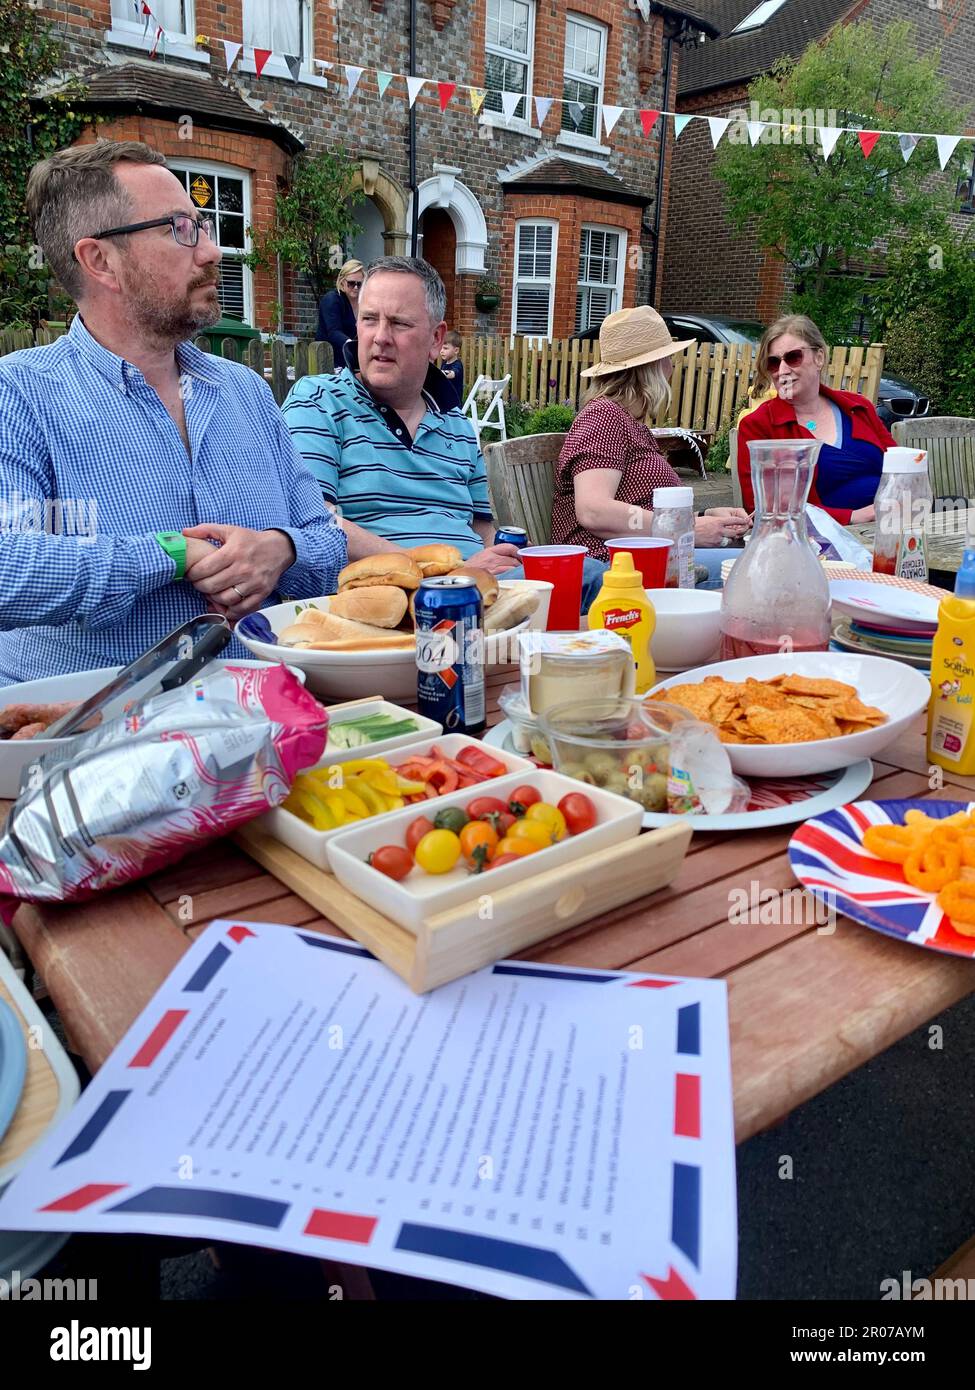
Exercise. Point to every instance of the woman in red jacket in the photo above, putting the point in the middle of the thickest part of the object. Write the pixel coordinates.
(793, 353)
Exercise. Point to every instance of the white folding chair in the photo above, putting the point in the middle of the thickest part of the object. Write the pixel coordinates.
(484, 389)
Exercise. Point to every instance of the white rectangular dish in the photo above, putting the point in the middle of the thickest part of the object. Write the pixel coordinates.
(422, 896)
(426, 729)
(313, 844)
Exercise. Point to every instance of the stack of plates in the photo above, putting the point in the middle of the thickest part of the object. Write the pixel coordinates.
(878, 620)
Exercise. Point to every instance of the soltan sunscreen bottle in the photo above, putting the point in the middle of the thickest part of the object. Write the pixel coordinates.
(622, 607)
(951, 713)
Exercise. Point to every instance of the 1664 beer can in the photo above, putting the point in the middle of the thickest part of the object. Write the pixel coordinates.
(450, 653)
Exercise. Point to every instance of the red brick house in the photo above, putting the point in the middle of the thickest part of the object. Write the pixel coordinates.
(571, 222)
(708, 267)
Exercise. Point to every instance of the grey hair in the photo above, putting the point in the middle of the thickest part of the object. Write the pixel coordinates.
(433, 286)
(74, 194)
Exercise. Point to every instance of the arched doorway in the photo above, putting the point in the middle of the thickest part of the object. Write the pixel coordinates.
(367, 244)
(438, 245)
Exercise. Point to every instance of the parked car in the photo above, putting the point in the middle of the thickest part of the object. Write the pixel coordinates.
(896, 400)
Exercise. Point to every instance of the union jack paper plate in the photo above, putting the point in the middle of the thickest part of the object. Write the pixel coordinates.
(828, 858)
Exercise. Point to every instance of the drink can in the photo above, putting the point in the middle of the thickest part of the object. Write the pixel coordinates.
(450, 653)
(511, 535)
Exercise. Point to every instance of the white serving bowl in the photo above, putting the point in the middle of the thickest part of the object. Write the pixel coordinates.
(688, 631)
(351, 675)
(901, 692)
(17, 754)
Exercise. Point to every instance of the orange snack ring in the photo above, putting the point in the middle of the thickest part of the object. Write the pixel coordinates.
(958, 901)
(892, 842)
(966, 843)
(932, 866)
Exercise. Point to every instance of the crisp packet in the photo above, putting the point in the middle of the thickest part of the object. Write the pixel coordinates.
(700, 780)
(137, 793)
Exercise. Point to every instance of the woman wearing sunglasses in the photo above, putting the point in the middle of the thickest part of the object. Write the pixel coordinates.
(337, 311)
(792, 355)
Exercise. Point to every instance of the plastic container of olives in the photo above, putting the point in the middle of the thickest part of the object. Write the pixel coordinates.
(527, 734)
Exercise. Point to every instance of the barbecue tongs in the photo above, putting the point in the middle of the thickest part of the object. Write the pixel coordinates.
(204, 636)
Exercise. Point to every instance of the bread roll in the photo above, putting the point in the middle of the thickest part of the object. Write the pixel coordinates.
(326, 630)
(380, 605)
(486, 582)
(386, 641)
(436, 559)
(392, 567)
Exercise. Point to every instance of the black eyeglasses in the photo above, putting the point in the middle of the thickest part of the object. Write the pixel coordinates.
(186, 228)
(791, 359)
(354, 284)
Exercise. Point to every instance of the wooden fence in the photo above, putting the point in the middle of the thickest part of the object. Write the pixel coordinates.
(709, 384)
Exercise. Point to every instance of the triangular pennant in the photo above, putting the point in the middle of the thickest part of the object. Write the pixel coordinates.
(576, 113)
(261, 56)
(648, 119)
(543, 106)
(680, 124)
(509, 103)
(383, 80)
(294, 65)
(414, 86)
(231, 52)
(611, 115)
(323, 65)
(352, 75)
(718, 124)
(947, 144)
(477, 95)
(828, 135)
(756, 129)
(445, 91)
(159, 34)
(867, 138)
(908, 144)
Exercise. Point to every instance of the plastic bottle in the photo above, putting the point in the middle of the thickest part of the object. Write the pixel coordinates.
(951, 735)
(622, 606)
(673, 519)
(903, 505)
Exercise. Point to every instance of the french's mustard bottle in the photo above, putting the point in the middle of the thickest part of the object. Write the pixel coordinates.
(622, 606)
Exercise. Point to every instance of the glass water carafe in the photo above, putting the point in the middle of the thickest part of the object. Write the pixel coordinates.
(776, 599)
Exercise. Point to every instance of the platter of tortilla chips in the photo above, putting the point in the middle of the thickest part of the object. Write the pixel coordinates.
(803, 713)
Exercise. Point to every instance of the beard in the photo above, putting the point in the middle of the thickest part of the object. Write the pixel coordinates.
(167, 316)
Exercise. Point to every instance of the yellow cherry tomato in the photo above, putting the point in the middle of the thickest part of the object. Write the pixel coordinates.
(438, 851)
(517, 844)
(548, 815)
(532, 830)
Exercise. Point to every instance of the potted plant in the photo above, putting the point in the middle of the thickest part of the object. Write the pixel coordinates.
(487, 295)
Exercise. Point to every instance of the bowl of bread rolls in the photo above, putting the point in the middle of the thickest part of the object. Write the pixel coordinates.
(361, 640)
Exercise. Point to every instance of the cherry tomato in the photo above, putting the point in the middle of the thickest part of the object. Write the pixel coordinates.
(503, 822)
(478, 840)
(484, 806)
(438, 851)
(531, 830)
(579, 812)
(452, 818)
(548, 815)
(501, 859)
(521, 798)
(517, 844)
(392, 861)
(415, 832)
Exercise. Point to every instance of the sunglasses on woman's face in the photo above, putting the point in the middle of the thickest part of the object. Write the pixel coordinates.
(354, 284)
(791, 359)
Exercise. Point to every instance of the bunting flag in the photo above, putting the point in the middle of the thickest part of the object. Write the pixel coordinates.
(383, 80)
(261, 56)
(352, 75)
(868, 138)
(477, 95)
(947, 144)
(756, 129)
(323, 65)
(680, 125)
(155, 45)
(509, 103)
(718, 124)
(648, 119)
(294, 65)
(414, 86)
(543, 106)
(828, 135)
(908, 144)
(611, 115)
(576, 113)
(232, 52)
(445, 91)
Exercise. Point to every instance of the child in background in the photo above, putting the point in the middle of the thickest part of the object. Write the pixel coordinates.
(450, 363)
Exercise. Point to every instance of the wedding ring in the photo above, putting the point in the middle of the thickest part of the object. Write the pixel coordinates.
(237, 591)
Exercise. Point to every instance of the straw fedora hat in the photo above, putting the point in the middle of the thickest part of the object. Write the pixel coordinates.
(632, 337)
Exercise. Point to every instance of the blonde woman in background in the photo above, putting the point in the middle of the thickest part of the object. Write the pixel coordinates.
(610, 463)
(337, 311)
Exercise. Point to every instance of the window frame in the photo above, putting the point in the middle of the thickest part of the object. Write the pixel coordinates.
(231, 171)
(967, 207)
(743, 26)
(517, 280)
(572, 135)
(619, 284)
(132, 33)
(275, 65)
(528, 59)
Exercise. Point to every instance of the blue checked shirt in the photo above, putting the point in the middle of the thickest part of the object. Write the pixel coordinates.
(92, 466)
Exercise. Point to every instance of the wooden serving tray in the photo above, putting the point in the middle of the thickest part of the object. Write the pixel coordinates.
(492, 925)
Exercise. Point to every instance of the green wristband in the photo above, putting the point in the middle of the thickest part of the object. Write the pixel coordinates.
(174, 544)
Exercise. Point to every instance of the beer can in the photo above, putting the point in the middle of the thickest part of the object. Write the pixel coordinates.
(450, 653)
(511, 535)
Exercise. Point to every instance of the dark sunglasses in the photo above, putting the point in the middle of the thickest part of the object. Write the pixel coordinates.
(186, 229)
(354, 284)
(791, 359)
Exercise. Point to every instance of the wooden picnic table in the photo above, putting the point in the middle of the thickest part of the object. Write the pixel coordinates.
(805, 1007)
(945, 537)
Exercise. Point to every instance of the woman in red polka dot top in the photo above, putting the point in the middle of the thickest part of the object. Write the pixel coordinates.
(610, 463)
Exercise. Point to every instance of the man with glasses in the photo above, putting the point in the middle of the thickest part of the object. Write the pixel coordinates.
(194, 495)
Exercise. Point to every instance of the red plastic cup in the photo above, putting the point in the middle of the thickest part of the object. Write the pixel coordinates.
(561, 565)
(650, 555)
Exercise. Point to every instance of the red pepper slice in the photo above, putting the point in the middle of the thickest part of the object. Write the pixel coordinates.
(479, 761)
(442, 778)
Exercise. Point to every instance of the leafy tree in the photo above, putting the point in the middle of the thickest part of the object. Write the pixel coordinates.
(825, 218)
(314, 219)
(28, 132)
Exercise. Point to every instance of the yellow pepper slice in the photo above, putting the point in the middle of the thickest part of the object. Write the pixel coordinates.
(337, 807)
(320, 814)
(358, 765)
(405, 788)
(352, 801)
(375, 802)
